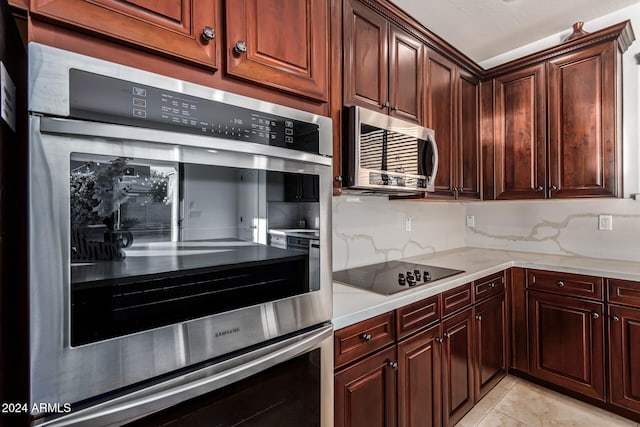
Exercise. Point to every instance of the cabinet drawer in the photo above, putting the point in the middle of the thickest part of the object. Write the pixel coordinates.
(363, 338)
(565, 284)
(416, 316)
(455, 299)
(488, 286)
(625, 292)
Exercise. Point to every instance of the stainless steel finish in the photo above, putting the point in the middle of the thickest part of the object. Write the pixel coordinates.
(560, 284)
(314, 264)
(49, 88)
(446, 335)
(478, 317)
(395, 108)
(208, 33)
(385, 105)
(362, 173)
(539, 188)
(439, 340)
(187, 386)
(240, 47)
(595, 315)
(366, 337)
(553, 188)
(393, 365)
(492, 285)
(615, 318)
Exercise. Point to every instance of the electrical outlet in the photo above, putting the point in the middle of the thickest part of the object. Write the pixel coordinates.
(605, 222)
(471, 221)
(407, 223)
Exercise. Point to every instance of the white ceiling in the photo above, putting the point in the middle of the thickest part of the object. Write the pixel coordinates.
(483, 29)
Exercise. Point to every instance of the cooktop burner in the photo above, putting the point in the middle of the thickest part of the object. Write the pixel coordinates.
(392, 277)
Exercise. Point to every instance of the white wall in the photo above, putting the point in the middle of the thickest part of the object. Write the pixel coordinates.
(370, 229)
(631, 85)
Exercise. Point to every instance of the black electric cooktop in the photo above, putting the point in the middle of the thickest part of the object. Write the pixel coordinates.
(392, 277)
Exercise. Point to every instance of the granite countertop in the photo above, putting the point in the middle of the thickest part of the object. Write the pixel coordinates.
(352, 305)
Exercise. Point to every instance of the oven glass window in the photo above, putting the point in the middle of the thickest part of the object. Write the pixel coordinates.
(154, 243)
(285, 395)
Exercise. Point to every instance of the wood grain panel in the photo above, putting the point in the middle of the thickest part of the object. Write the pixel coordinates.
(455, 299)
(520, 134)
(577, 285)
(519, 332)
(624, 357)
(406, 63)
(413, 317)
(487, 140)
(625, 292)
(488, 286)
(352, 342)
(490, 340)
(468, 138)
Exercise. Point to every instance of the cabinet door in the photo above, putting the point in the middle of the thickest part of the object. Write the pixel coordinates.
(366, 57)
(174, 28)
(406, 59)
(583, 158)
(490, 344)
(441, 111)
(468, 137)
(457, 367)
(419, 387)
(520, 134)
(365, 393)
(566, 341)
(281, 44)
(624, 357)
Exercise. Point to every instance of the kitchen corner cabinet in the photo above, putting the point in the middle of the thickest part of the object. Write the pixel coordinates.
(383, 64)
(185, 30)
(557, 120)
(283, 45)
(453, 112)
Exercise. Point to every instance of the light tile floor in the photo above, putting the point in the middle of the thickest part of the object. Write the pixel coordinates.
(518, 403)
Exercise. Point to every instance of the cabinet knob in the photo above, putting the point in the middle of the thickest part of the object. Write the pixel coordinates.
(394, 108)
(539, 188)
(240, 47)
(339, 178)
(366, 337)
(446, 335)
(385, 105)
(492, 285)
(478, 317)
(595, 315)
(393, 365)
(553, 188)
(615, 318)
(208, 34)
(439, 340)
(560, 284)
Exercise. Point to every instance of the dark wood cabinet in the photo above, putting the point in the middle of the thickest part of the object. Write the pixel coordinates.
(301, 188)
(453, 108)
(566, 342)
(283, 45)
(457, 367)
(184, 30)
(520, 134)
(490, 344)
(383, 64)
(419, 379)
(584, 158)
(624, 357)
(556, 120)
(365, 393)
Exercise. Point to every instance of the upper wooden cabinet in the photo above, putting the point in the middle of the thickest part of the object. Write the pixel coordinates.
(281, 44)
(182, 29)
(383, 64)
(557, 120)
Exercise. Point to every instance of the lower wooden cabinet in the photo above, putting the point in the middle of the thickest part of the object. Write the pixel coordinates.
(566, 342)
(365, 393)
(490, 344)
(419, 379)
(624, 357)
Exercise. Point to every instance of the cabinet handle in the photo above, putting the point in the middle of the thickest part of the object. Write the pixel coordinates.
(366, 337)
(478, 317)
(615, 318)
(240, 47)
(595, 315)
(393, 365)
(492, 285)
(385, 105)
(439, 340)
(447, 335)
(394, 108)
(208, 33)
(339, 178)
(553, 188)
(539, 188)
(560, 284)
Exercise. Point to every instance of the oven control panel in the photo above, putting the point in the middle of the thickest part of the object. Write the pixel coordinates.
(106, 99)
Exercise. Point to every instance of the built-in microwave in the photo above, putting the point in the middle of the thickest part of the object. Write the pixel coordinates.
(150, 202)
(383, 154)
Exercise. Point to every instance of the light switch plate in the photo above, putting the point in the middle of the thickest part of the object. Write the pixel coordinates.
(407, 223)
(605, 222)
(471, 221)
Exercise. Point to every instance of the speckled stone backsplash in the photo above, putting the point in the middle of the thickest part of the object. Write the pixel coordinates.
(371, 229)
(565, 227)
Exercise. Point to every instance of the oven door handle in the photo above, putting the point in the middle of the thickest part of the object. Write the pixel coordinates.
(146, 401)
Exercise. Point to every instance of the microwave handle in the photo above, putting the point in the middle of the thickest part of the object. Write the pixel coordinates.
(432, 178)
(424, 154)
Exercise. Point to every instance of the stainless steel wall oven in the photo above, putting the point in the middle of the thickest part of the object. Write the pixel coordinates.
(151, 278)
